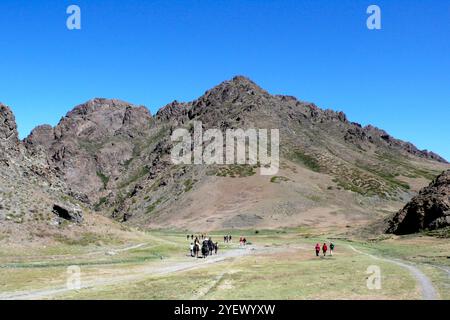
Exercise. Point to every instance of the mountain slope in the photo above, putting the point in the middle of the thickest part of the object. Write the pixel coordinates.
(36, 206)
(115, 157)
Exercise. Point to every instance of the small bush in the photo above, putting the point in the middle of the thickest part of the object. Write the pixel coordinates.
(104, 178)
(278, 179)
(309, 161)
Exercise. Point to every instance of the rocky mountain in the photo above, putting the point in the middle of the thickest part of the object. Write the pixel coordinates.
(430, 209)
(93, 140)
(37, 207)
(114, 157)
(29, 186)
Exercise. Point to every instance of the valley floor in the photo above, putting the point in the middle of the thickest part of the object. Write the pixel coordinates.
(276, 265)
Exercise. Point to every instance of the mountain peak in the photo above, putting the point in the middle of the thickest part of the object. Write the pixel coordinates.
(98, 104)
(243, 83)
(242, 79)
(236, 89)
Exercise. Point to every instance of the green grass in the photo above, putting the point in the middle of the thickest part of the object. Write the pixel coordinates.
(291, 278)
(388, 177)
(153, 206)
(234, 171)
(307, 160)
(128, 162)
(297, 274)
(346, 185)
(144, 144)
(408, 170)
(87, 238)
(188, 184)
(278, 179)
(101, 201)
(131, 260)
(104, 178)
(414, 248)
(288, 270)
(443, 233)
(134, 177)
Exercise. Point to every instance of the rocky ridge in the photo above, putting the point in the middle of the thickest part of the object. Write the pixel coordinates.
(114, 157)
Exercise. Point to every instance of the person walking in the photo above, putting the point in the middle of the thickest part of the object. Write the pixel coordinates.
(244, 241)
(324, 249)
(197, 242)
(331, 248)
(192, 249)
(216, 247)
(317, 249)
(210, 246)
(196, 249)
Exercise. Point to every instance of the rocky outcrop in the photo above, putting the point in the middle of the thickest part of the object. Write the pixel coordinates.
(41, 136)
(28, 184)
(382, 138)
(91, 143)
(68, 212)
(9, 138)
(428, 210)
(175, 112)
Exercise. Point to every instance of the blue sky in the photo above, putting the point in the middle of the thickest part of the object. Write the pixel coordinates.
(152, 52)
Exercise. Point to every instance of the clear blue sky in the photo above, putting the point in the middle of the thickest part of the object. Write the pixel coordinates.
(152, 52)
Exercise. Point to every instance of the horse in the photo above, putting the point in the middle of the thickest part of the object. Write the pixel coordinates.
(210, 247)
(205, 249)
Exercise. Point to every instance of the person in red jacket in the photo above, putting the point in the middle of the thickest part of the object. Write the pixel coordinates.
(317, 249)
(324, 249)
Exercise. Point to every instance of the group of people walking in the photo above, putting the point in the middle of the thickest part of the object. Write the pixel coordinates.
(206, 247)
(197, 237)
(324, 248)
(202, 245)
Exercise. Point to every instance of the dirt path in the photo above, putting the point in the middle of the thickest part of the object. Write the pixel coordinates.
(426, 286)
(141, 273)
(80, 255)
(166, 267)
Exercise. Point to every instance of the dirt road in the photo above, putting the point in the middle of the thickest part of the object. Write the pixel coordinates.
(426, 287)
(190, 264)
